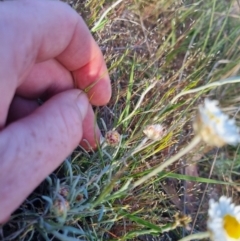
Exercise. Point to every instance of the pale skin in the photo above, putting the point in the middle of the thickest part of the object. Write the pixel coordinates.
(47, 52)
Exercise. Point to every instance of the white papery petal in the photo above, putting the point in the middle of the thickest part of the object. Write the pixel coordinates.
(214, 126)
(216, 213)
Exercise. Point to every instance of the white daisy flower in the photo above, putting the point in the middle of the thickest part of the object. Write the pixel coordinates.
(215, 127)
(154, 132)
(224, 220)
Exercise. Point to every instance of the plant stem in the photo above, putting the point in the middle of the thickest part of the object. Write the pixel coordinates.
(151, 86)
(207, 86)
(161, 167)
(201, 235)
(104, 15)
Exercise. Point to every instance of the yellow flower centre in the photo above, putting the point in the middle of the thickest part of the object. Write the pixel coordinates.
(213, 117)
(231, 226)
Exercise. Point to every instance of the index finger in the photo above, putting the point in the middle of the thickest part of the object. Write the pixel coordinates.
(91, 73)
(45, 30)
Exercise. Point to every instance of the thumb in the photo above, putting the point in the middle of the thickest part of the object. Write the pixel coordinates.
(34, 146)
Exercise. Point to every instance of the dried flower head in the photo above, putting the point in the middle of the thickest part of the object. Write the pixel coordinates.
(224, 220)
(60, 206)
(79, 197)
(154, 132)
(181, 220)
(64, 191)
(215, 127)
(112, 138)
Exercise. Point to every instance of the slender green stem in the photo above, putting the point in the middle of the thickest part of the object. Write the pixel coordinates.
(108, 189)
(151, 86)
(211, 85)
(210, 26)
(195, 236)
(161, 167)
(105, 14)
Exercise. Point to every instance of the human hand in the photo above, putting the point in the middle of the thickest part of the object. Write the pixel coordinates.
(45, 51)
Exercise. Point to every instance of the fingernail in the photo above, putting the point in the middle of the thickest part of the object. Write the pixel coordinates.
(83, 104)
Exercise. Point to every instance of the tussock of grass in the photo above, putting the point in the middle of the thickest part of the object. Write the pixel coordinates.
(178, 45)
